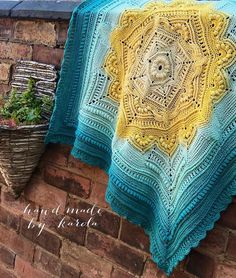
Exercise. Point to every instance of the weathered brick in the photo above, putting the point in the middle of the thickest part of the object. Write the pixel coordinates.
(18, 206)
(101, 176)
(9, 218)
(69, 272)
(225, 270)
(67, 181)
(79, 208)
(48, 55)
(56, 154)
(80, 168)
(6, 273)
(46, 239)
(228, 217)
(197, 259)
(62, 32)
(180, 274)
(215, 241)
(24, 269)
(39, 32)
(134, 236)
(6, 28)
(15, 51)
(47, 262)
(118, 273)
(151, 270)
(107, 222)
(116, 252)
(7, 256)
(65, 227)
(5, 72)
(182, 264)
(98, 194)
(45, 195)
(231, 248)
(81, 258)
(20, 245)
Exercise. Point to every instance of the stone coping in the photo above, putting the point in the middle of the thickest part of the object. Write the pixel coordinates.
(38, 9)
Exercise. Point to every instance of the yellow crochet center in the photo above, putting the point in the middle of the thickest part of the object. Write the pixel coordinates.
(168, 68)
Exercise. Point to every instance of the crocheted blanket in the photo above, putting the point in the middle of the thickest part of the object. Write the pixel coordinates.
(147, 92)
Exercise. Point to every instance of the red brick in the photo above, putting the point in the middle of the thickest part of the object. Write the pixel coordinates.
(48, 55)
(15, 51)
(5, 273)
(215, 241)
(118, 273)
(90, 265)
(19, 205)
(151, 270)
(5, 72)
(197, 259)
(182, 264)
(67, 181)
(228, 217)
(107, 222)
(98, 194)
(9, 219)
(134, 236)
(45, 195)
(24, 269)
(69, 272)
(116, 252)
(73, 233)
(6, 28)
(62, 32)
(101, 176)
(57, 154)
(231, 248)
(39, 32)
(47, 262)
(79, 208)
(7, 256)
(225, 270)
(17, 243)
(46, 239)
(181, 274)
(80, 168)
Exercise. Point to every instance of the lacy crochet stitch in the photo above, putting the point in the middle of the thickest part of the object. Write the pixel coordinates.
(147, 92)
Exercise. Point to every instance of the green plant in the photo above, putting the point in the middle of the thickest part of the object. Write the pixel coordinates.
(25, 108)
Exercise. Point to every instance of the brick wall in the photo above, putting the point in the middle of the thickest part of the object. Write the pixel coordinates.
(114, 248)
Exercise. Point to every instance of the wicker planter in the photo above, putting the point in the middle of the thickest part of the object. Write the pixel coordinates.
(20, 151)
(21, 147)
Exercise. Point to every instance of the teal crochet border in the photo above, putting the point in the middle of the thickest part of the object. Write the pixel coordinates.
(116, 190)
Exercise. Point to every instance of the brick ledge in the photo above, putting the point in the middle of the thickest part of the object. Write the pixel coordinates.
(38, 9)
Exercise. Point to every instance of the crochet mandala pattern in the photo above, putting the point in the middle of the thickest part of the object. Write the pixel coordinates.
(168, 65)
(147, 92)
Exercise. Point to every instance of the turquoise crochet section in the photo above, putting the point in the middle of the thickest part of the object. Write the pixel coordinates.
(176, 199)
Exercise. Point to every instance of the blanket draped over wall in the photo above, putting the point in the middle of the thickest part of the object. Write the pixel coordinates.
(147, 92)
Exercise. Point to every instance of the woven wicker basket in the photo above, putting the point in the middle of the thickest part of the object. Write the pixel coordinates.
(20, 151)
(21, 147)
